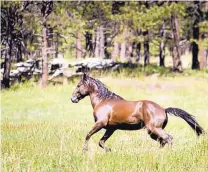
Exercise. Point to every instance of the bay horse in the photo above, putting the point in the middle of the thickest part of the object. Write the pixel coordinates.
(112, 112)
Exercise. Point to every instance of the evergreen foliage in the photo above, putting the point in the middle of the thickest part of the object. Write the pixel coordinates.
(123, 31)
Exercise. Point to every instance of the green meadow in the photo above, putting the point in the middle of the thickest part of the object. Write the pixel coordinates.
(42, 130)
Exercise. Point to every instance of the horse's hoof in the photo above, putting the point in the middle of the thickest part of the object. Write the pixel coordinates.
(170, 145)
(162, 146)
(85, 150)
(107, 149)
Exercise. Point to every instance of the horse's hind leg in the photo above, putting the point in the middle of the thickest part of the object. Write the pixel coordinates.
(160, 135)
(107, 134)
(97, 127)
(157, 138)
(153, 136)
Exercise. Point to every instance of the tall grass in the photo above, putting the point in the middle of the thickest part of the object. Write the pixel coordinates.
(43, 131)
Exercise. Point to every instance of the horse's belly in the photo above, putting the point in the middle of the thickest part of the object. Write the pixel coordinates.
(126, 126)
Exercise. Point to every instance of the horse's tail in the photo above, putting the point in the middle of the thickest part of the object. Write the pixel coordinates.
(190, 119)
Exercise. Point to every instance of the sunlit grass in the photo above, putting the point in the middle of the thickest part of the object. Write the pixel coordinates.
(43, 131)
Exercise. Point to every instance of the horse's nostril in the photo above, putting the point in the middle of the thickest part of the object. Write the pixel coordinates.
(74, 99)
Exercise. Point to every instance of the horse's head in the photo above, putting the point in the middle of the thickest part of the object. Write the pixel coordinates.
(81, 90)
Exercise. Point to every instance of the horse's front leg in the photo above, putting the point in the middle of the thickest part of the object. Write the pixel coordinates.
(97, 127)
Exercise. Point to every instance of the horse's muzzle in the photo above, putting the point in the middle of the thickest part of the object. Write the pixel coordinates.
(74, 99)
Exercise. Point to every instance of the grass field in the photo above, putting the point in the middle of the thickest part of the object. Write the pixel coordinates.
(43, 131)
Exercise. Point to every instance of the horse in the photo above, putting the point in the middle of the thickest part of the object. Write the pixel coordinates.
(112, 112)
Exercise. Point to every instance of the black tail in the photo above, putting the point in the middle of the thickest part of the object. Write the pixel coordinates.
(190, 119)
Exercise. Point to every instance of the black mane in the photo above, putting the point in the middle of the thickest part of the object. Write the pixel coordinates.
(103, 91)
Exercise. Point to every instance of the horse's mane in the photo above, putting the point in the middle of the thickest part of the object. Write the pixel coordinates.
(103, 91)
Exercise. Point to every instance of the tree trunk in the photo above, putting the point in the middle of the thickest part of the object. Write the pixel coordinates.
(138, 51)
(202, 54)
(97, 42)
(46, 9)
(203, 50)
(138, 45)
(78, 46)
(45, 58)
(102, 42)
(146, 48)
(123, 51)
(123, 45)
(206, 7)
(89, 44)
(129, 45)
(129, 52)
(116, 46)
(7, 64)
(115, 52)
(177, 64)
(19, 53)
(93, 44)
(106, 44)
(195, 46)
(162, 46)
(146, 42)
(56, 45)
(162, 53)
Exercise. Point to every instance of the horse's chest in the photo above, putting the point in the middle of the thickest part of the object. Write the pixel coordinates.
(102, 113)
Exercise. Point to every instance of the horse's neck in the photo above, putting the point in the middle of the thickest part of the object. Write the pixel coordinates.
(95, 100)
